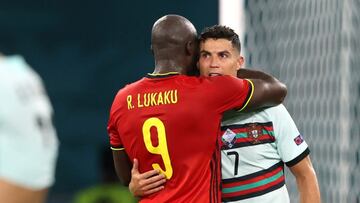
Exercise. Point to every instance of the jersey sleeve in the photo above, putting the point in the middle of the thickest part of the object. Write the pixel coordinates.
(115, 140)
(231, 92)
(291, 145)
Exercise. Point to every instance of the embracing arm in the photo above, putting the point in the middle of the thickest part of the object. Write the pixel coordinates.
(306, 181)
(147, 183)
(123, 166)
(268, 91)
(140, 184)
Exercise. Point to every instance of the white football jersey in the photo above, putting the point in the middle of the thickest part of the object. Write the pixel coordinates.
(255, 147)
(28, 141)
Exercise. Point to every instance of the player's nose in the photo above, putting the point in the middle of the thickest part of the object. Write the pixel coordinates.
(214, 62)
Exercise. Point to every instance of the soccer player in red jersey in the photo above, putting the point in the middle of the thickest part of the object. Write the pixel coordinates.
(163, 119)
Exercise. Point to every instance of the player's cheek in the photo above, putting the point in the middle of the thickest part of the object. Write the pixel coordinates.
(203, 67)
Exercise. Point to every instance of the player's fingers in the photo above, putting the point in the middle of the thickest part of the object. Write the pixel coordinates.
(154, 179)
(135, 168)
(149, 174)
(155, 183)
(148, 192)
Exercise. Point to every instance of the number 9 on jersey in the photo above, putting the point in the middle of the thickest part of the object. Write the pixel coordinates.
(161, 149)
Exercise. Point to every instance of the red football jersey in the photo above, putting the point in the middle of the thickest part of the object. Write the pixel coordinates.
(170, 122)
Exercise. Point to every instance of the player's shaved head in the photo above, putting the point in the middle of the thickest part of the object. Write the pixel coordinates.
(172, 30)
(174, 39)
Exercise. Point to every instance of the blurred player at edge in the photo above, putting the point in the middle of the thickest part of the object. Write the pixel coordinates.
(28, 142)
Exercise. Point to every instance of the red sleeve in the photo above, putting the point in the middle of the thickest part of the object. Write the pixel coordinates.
(115, 140)
(231, 92)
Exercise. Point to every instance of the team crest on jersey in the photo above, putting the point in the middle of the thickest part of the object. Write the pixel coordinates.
(254, 132)
(229, 138)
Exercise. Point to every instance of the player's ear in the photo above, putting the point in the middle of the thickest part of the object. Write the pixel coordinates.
(192, 47)
(240, 62)
(189, 48)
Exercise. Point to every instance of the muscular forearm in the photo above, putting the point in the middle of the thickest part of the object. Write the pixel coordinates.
(308, 189)
(306, 181)
(254, 74)
(122, 167)
(269, 91)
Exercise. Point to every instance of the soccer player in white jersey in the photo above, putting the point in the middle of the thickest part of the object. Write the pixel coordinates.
(28, 142)
(255, 146)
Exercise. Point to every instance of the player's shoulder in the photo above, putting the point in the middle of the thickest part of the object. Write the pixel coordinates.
(224, 78)
(276, 109)
(14, 71)
(222, 81)
(278, 113)
(17, 68)
(130, 87)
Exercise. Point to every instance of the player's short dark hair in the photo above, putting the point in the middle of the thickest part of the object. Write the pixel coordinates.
(220, 32)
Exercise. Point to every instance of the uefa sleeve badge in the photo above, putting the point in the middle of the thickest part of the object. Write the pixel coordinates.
(298, 140)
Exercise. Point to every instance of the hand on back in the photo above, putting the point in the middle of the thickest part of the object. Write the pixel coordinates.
(147, 183)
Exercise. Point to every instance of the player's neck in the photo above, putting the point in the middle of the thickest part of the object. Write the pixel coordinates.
(166, 66)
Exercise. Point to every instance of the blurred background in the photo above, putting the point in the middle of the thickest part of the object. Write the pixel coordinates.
(86, 50)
